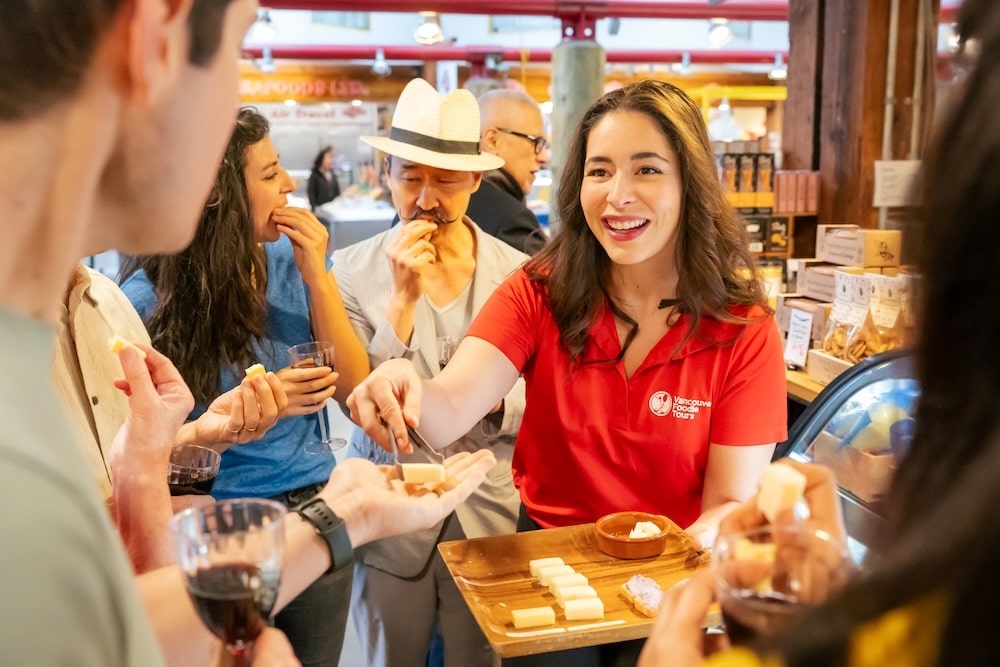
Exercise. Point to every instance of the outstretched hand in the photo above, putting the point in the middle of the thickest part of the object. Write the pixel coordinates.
(361, 493)
(678, 638)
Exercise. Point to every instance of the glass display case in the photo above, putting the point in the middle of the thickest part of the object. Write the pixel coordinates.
(861, 426)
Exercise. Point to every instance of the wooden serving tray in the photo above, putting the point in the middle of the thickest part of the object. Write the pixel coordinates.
(492, 574)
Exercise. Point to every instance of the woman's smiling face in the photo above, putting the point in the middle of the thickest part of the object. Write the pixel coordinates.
(631, 191)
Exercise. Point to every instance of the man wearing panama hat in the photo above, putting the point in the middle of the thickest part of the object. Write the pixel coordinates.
(403, 289)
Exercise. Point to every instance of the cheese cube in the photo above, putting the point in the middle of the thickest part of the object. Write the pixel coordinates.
(533, 617)
(533, 565)
(644, 529)
(584, 609)
(546, 574)
(780, 488)
(575, 579)
(117, 344)
(574, 593)
(423, 473)
(255, 370)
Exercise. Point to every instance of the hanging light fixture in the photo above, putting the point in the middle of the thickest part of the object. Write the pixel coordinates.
(719, 32)
(684, 66)
(429, 32)
(780, 71)
(263, 30)
(266, 61)
(380, 67)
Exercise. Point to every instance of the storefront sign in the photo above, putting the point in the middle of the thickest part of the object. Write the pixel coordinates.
(296, 87)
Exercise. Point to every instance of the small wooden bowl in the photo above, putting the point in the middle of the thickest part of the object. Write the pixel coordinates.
(612, 535)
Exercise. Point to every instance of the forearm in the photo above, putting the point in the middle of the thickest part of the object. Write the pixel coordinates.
(330, 323)
(706, 527)
(399, 313)
(143, 511)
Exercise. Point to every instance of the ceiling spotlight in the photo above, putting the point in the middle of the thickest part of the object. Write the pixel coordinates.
(780, 71)
(684, 66)
(380, 67)
(263, 29)
(954, 39)
(429, 32)
(719, 32)
(266, 61)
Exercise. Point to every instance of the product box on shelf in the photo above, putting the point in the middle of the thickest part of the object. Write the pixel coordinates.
(756, 233)
(812, 192)
(851, 245)
(865, 474)
(819, 310)
(730, 178)
(802, 192)
(747, 197)
(777, 235)
(823, 368)
(764, 181)
(818, 282)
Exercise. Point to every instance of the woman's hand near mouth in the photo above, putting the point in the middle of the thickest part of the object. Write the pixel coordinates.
(309, 239)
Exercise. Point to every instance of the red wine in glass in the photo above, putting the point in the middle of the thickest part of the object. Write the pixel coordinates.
(234, 601)
(184, 485)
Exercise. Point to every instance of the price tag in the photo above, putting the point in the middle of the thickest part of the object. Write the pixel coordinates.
(799, 337)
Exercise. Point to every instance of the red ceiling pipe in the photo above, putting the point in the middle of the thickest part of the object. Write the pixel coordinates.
(479, 54)
(737, 10)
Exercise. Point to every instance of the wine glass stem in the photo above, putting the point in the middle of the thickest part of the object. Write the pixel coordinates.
(324, 435)
(242, 653)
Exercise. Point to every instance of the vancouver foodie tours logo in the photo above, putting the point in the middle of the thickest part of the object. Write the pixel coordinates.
(662, 404)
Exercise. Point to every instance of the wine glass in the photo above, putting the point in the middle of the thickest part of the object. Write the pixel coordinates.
(766, 576)
(193, 470)
(231, 555)
(311, 355)
(446, 346)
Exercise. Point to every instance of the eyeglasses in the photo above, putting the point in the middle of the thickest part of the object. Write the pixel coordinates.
(541, 143)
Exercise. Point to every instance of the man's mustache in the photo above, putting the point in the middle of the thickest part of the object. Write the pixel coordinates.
(434, 214)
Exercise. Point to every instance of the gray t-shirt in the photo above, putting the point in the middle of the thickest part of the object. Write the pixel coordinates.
(67, 594)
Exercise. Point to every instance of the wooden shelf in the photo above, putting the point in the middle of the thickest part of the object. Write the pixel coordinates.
(800, 387)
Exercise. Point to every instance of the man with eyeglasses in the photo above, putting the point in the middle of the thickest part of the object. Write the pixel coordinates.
(510, 126)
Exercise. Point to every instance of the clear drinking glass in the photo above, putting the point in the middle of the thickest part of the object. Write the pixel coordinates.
(446, 346)
(231, 555)
(765, 576)
(311, 355)
(193, 470)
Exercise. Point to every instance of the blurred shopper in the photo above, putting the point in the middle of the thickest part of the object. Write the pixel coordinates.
(258, 275)
(88, 91)
(929, 593)
(422, 280)
(323, 186)
(511, 126)
(654, 370)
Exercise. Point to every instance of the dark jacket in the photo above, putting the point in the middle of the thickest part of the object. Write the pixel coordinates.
(321, 190)
(498, 208)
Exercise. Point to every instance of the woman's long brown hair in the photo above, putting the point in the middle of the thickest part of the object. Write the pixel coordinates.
(211, 304)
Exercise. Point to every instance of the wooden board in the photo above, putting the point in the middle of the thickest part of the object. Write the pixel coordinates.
(492, 574)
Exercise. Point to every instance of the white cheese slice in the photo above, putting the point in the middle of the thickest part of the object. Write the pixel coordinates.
(533, 565)
(574, 593)
(533, 617)
(780, 488)
(575, 579)
(546, 574)
(583, 609)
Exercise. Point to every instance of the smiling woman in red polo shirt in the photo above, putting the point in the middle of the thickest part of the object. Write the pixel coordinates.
(654, 370)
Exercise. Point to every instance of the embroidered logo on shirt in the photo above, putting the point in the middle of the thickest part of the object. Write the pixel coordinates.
(662, 404)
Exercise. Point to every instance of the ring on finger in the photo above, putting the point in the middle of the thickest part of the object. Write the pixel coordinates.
(251, 430)
(234, 431)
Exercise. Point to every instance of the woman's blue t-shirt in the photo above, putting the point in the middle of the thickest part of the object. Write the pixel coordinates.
(277, 462)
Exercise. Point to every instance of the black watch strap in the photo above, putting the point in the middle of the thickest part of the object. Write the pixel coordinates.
(331, 528)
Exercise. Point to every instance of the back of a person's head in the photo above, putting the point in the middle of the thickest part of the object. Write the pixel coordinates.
(46, 47)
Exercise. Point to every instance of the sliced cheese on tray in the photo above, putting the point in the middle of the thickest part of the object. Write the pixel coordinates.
(534, 565)
(583, 609)
(533, 617)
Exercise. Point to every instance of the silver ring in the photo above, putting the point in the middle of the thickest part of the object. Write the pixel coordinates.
(236, 432)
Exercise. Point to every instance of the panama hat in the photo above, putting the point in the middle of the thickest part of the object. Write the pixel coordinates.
(436, 130)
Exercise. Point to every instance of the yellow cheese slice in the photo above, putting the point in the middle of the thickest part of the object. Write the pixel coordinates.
(534, 565)
(117, 344)
(423, 473)
(255, 370)
(780, 488)
(546, 574)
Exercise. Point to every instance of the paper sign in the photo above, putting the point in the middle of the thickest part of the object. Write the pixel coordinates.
(799, 335)
(895, 183)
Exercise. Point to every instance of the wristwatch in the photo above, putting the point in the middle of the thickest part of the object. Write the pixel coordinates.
(331, 528)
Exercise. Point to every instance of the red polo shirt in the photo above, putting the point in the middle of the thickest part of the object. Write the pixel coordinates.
(594, 442)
